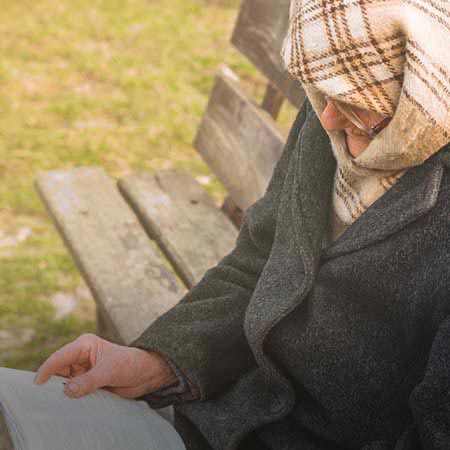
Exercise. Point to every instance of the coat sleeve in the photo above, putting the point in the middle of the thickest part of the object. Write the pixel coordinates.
(203, 334)
(429, 402)
(183, 390)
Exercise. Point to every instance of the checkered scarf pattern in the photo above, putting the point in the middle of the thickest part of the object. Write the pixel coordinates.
(387, 56)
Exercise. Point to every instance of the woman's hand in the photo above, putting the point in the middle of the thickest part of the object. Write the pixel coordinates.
(92, 363)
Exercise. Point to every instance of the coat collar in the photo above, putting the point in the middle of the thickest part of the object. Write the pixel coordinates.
(302, 220)
(411, 197)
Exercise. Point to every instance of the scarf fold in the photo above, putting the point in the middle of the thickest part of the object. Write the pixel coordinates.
(387, 56)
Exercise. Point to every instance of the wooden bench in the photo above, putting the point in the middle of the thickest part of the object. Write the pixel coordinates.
(141, 242)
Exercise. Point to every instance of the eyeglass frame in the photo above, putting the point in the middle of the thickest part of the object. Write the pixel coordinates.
(348, 112)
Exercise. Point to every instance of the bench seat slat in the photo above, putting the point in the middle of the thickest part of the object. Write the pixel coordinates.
(183, 219)
(239, 141)
(127, 276)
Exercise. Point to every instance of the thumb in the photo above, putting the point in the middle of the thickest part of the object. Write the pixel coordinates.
(85, 383)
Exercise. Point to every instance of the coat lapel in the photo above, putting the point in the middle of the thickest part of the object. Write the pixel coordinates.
(290, 270)
(414, 194)
(311, 191)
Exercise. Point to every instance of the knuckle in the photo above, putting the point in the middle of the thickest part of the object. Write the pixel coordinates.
(88, 382)
(57, 354)
(87, 379)
(87, 338)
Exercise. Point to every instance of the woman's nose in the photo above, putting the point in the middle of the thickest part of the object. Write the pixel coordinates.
(332, 119)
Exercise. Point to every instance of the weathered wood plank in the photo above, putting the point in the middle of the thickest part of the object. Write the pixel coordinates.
(180, 215)
(238, 140)
(105, 328)
(272, 101)
(232, 211)
(259, 33)
(129, 280)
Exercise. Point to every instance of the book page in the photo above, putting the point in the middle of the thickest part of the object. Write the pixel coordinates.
(44, 418)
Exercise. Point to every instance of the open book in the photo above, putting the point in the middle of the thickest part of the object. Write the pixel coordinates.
(44, 418)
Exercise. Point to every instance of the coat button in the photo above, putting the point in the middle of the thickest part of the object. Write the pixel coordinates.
(278, 403)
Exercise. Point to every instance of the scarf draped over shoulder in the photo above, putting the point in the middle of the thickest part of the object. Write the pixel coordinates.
(387, 56)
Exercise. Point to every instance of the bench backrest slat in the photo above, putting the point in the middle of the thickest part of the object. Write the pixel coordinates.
(239, 141)
(259, 33)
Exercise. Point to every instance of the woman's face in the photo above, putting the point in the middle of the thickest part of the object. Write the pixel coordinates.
(357, 141)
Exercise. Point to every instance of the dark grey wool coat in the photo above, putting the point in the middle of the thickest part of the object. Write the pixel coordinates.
(295, 347)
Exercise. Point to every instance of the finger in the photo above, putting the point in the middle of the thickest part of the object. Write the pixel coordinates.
(87, 382)
(78, 370)
(60, 361)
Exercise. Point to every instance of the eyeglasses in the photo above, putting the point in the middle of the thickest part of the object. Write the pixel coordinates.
(348, 112)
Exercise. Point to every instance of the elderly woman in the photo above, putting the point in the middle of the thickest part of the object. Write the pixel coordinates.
(328, 325)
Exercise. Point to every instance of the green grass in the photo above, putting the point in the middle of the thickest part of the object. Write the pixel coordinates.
(93, 82)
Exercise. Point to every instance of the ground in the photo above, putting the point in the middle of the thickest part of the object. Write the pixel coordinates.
(93, 82)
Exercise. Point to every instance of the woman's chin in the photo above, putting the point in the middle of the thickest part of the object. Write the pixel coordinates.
(356, 144)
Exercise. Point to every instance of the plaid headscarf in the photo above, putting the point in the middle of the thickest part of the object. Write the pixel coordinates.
(387, 56)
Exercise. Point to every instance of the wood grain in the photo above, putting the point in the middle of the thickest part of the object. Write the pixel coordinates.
(239, 141)
(183, 219)
(272, 101)
(258, 34)
(128, 278)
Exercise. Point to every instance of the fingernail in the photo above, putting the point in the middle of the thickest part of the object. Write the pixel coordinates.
(73, 388)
